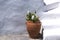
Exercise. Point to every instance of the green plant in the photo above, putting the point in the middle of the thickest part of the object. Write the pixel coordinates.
(32, 17)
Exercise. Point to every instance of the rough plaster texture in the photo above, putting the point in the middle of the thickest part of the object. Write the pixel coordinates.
(12, 14)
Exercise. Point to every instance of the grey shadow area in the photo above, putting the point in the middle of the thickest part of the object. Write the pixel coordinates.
(53, 37)
(12, 15)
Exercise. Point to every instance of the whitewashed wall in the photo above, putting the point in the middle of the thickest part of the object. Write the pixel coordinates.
(12, 14)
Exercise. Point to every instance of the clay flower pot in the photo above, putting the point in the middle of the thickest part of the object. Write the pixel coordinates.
(33, 24)
(33, 28)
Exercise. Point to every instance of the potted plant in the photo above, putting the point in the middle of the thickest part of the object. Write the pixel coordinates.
(33, 24)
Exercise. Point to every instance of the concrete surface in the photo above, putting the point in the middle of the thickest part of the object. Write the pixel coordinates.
(16, 37)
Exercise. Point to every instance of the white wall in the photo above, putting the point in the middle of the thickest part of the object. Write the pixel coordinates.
(57, 10)
(51, 18)
(50, 1)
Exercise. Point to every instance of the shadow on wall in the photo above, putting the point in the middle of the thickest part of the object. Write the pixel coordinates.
(12, 14)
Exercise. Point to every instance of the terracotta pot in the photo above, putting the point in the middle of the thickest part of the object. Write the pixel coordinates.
(33, 28)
